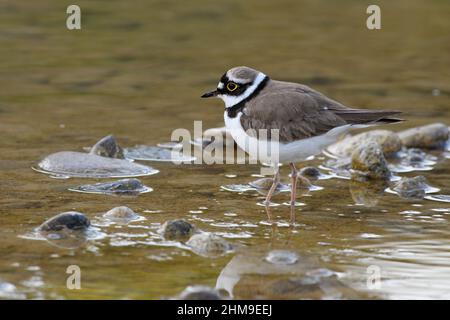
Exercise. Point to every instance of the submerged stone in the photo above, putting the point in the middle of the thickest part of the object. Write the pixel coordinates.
(368, 162)
(107, 147)
(412, 187)
(119, 187)
(71, 220)
(415, 155)
(389, 142)
(176, 229)
(266, 184)
(209, 245)
(432, 136)
(85, 165)
(121, 213)
(152, 153)
(413, 159)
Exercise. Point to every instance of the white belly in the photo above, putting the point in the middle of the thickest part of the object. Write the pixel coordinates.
(274, 152)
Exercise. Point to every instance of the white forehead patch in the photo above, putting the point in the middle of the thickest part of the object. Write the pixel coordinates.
(220, 85)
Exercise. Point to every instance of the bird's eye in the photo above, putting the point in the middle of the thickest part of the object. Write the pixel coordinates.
(231, 86)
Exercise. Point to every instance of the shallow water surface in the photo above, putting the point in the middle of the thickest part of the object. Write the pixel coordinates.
(137, 71)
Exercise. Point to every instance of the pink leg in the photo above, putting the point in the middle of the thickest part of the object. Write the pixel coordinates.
(276, 180)
(294, 176)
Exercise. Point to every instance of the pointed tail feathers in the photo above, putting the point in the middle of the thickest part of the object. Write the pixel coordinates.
(364, 116)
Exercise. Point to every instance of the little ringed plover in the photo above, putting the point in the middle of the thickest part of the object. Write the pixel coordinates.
(305, 120)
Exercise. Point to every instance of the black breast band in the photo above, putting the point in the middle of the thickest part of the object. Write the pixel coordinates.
(233, 110)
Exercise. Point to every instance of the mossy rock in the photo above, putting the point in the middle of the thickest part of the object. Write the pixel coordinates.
(432, 136)
(368, 162)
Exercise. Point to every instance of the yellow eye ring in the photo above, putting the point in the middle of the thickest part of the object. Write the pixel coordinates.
(231, 86)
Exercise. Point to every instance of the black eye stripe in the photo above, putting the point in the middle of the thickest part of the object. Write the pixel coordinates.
(236, 92)
(241, 86)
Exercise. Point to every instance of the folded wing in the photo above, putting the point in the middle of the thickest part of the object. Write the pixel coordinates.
(300, 113)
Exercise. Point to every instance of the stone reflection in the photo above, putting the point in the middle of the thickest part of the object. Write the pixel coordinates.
(367, 193)
(280, 274)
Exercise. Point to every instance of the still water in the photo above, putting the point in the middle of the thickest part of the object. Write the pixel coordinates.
(137, 70)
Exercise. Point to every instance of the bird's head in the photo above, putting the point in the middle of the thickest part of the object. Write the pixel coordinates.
(236, 85)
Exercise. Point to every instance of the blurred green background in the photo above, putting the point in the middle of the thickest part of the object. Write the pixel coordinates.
(145, 63)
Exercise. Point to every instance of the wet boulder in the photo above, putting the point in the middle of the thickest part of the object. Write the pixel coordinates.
(415, 187)
(121, 213)
(310, 173)
(389, 142)
(120, 187)
(70, 220)
(107, 147)
(432, 136)
(368, 162)
(85, 165)
(176, 229)
(209, 245)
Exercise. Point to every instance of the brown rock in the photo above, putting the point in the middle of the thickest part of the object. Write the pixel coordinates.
(108, 147)
(388, 140)
(71, 220)
(368, 162)
(121, 213)
(209, 245)
(176, 229)
(432, 136)
(411, 187)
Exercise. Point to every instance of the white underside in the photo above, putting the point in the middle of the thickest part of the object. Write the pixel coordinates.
(274, 152)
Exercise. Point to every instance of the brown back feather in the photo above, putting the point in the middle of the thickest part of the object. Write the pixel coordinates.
(299, 112)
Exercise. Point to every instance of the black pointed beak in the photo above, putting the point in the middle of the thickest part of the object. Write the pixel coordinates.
(210, 94)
